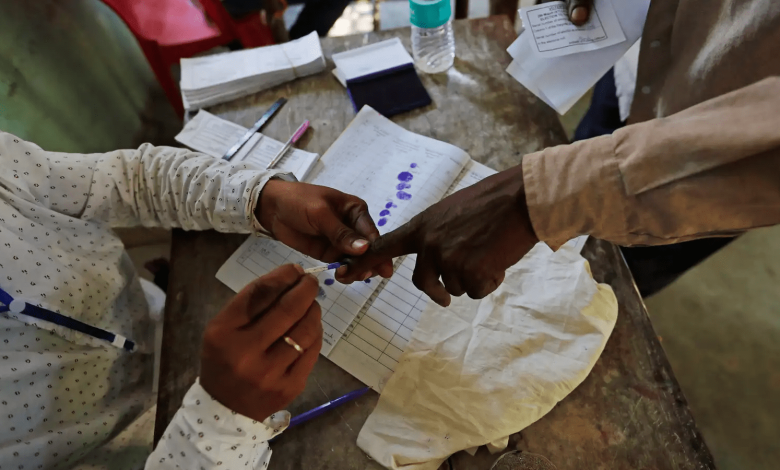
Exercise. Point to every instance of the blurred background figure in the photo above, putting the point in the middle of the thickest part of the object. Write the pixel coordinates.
(317, 15)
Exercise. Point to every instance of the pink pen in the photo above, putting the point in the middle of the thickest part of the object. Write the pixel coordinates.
(301, 130)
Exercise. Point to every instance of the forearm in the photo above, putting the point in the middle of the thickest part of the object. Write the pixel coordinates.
(169, 187)
(707, 171)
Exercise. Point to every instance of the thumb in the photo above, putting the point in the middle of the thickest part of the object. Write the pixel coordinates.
(352, 232)
(579, 11)
(342, 237)
(399, 242)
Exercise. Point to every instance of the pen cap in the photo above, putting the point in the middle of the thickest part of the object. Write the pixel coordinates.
(301, 130)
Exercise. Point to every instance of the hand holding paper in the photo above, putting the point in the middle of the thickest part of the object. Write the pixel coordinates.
(554, 34)
(579, 11)
(561, 80)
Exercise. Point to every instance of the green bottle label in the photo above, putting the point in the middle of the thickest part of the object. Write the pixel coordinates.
(430, 13)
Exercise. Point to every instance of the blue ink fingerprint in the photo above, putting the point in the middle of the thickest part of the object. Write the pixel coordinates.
(388, 205)
(329, 282)
(403, 186)
(321, 294)
(413, 165)
(403, 195)
(405, 176)
(382, 222)
(367, 281)
(384, 213)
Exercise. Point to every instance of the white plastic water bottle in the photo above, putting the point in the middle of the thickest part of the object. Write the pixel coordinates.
(433, 44)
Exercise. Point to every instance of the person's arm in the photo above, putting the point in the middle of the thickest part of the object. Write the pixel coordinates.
(170, 187)
(248, 373)
(713, 169)
(151, 186)
(710, 170)
(157, 187)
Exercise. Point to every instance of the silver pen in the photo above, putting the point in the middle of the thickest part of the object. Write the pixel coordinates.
(258, 125)
(297, 135)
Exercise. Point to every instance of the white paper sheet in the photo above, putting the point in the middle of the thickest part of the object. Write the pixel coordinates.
(370, 59)
(554, 35)
(398, 173)
(214, 136)
(561, 81)
(304, 51)
(625, 79)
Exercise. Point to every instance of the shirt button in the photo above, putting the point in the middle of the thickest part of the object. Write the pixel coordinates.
(646, 90)
(655, 43)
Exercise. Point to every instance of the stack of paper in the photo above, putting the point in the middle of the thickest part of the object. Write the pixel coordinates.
(370, 59)
(213, 79)
(214, 136)
(560, 62)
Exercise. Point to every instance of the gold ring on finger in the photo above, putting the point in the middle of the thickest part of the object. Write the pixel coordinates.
(294, 345)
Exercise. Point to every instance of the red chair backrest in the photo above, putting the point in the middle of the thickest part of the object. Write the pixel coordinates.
(166, 20)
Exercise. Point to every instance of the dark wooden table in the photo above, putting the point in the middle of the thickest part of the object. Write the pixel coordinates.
(628, 414)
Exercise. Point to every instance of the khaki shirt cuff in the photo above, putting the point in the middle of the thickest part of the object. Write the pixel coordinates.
(574, 190)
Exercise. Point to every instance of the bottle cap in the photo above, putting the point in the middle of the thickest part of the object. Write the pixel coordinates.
(430, 13)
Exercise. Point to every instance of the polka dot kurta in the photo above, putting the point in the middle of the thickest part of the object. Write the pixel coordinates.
(68, 400)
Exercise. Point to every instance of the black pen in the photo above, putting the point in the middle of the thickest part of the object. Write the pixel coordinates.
(258, 125)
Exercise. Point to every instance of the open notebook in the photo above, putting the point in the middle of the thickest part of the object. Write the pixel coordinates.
(399, 174)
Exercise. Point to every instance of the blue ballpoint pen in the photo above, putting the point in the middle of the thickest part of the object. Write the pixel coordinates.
(327, 406)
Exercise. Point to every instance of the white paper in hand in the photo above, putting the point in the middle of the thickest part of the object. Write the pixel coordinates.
(561, 81)
(554, 35)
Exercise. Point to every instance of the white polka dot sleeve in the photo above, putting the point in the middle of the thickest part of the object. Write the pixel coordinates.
(205, 435)
(151, 186)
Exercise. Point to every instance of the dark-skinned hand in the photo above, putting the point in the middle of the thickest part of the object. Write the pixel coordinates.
(245, 363)
(468, 239)
(318, 221)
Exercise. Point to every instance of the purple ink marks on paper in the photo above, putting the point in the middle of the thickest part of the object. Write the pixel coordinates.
(413, 165)
(389, 205)
(384, 213)
(367, 281)
(321, 294)
(329, 282)
(405, 176)
(382, 222)
(403, 186)
(403, 195)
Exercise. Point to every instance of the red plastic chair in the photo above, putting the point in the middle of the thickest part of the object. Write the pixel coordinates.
(168, 30)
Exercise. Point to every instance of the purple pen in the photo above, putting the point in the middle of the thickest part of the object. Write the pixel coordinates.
(327, 406)
(297, 135)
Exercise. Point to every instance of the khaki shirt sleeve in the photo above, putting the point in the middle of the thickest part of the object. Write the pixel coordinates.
(711, 170)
